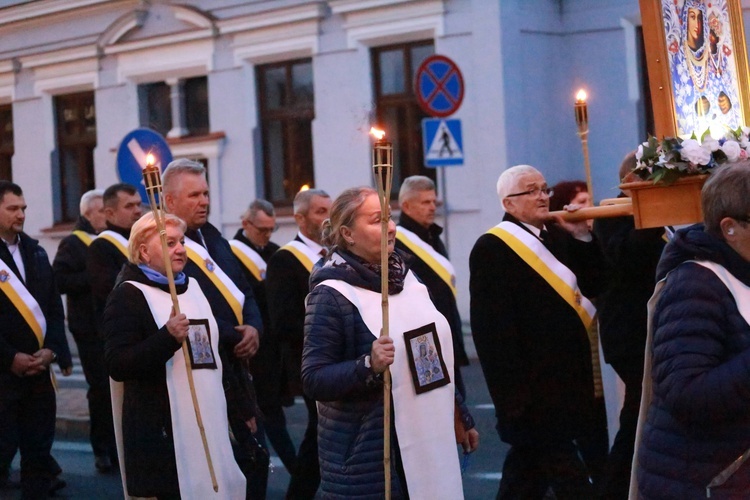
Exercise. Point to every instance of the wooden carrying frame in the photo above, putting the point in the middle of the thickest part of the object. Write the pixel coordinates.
(659, 71)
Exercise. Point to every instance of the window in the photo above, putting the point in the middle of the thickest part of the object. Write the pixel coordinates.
(397, 110)
(75, 115)
(6, 142)
(286, 103)
(157, 113)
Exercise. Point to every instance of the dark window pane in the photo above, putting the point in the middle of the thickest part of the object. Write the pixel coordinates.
(159, 107)
(286, 128)
(76, 139)
(6, 141)
(196, 105)
(419, 54)
(302, 83)
(275, 87)
(392, 72)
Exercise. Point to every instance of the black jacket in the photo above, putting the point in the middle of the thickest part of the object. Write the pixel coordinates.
(103, 264)
(238, 388)
(287, 283)
(136, 353)
(15, 333)
(73, 281)
(632, 255)
(441, 294)
(533, 347)
(265, 365)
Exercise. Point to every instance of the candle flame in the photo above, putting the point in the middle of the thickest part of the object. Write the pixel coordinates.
(377, 133)
(581, 96)
(149, 160)
(304, 187)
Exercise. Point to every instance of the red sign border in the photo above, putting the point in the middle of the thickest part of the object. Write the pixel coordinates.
(423, 103)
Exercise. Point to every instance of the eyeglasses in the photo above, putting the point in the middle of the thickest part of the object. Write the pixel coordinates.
(533, 192)
(265, 230)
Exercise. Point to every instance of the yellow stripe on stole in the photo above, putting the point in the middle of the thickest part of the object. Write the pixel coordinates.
(304, 259)
(429, 260)
(538, 265)
(116, 243)
(22, 308)
(231, 300)
(84, 237)
(247, 262)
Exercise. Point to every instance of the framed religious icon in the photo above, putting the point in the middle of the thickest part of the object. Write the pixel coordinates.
(697, 65)
(199, 345)
(426, 361)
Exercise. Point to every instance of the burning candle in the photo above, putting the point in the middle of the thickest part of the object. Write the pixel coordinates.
(582, 112)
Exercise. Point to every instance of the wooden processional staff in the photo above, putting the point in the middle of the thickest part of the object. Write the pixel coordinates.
(382, 166)
(152, 181)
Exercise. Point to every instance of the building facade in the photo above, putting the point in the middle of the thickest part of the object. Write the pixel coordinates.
(275, 94)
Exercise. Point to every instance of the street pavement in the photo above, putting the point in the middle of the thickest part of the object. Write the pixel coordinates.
(71, 449)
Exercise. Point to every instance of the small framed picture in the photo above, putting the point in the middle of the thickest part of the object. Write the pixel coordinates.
(199, 345)
(426, 361)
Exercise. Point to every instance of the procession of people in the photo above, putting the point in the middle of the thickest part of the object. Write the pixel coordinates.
(192, 344)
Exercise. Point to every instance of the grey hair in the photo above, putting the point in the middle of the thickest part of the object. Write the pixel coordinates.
(144, 229)
(628, 165)
(508, 180)
(256, 206)
(176, 168)
(302, 200)
(343, 211)
(725, 195)
(88, 198)
(413, 185)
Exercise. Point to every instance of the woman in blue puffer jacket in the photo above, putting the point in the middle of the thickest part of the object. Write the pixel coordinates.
(344, 358)
(697, 426)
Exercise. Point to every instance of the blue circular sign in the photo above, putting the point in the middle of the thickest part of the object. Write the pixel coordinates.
(439, 86)
(131, 156)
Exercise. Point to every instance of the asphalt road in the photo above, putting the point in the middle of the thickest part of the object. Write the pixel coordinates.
(481, 477)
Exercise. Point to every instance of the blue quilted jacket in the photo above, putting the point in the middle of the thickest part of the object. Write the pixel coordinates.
(350, 398)
(699, 419)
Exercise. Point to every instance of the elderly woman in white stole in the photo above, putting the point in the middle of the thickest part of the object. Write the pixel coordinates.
(344, 358)
(158, 438)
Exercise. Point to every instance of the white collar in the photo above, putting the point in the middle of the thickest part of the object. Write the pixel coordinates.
(315, 247)
(534, 230)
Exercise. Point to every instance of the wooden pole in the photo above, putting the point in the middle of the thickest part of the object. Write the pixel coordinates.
(152, 180)
(382, 164)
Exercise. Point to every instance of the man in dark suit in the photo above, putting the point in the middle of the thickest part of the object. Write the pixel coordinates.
(633, 255)
(213, 265)
(109, 251)
(419, 236)
(530, 284)
(253, 248)
(288, 285)
(73, 281)
(32, 337)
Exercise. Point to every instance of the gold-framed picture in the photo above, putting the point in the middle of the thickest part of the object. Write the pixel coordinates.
(697, 65)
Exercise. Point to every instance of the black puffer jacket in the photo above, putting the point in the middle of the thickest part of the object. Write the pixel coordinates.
(698, 422)
(350, 398)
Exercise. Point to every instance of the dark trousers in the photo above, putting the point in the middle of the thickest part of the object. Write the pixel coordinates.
(306, 475)
(594, 445)
(274, 425)
(616, 483)
(252, 457)
(548, 471)
(102, 434)
(27, 423)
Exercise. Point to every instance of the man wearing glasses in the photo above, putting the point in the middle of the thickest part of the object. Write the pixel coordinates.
(532, 279)
(253, 247)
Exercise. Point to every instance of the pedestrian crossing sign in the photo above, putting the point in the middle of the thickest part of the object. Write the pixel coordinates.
(443, 143)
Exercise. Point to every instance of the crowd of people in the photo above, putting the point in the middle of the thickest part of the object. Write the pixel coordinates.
(192, 344)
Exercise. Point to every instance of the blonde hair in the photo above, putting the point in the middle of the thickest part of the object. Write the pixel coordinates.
(144, 229)
(343, 211)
